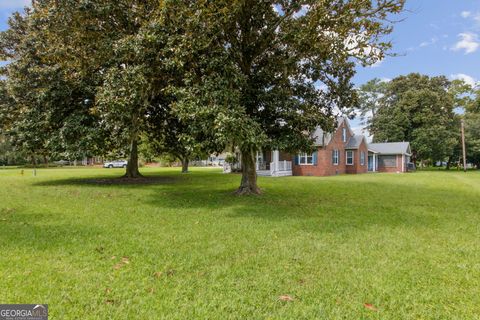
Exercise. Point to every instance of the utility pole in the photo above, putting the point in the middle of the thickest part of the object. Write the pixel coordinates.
(463, 147)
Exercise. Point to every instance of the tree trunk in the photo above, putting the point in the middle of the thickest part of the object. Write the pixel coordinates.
(184, 165)
(45, 160)
(249, 174)
(132, 166)
(34, 162)
(477, 164)
(449, 163)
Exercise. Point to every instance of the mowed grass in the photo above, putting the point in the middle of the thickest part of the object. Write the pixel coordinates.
(375, 246)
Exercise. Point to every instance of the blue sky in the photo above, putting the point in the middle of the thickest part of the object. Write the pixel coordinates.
(436, 37)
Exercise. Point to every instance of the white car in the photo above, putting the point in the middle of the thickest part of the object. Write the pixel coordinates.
(115, 164)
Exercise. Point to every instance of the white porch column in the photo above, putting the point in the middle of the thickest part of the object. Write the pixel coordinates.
(374, 162)
(256, 162)
(276, 159)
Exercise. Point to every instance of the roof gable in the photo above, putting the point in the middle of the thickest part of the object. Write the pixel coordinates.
(355, 141)
(323, 138)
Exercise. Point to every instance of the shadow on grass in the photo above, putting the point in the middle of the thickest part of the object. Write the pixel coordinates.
(317, 204)
(38, 232)
(108, 181)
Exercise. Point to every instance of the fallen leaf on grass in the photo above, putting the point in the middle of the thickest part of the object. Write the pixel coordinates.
(108, 290)
(170, 272)
(158, 274)
(370, 306)
(285, 297)
(118, 266)
(109, 301)
(122, 262)
(151, 290)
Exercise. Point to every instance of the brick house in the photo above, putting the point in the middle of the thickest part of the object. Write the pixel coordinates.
(339, 152)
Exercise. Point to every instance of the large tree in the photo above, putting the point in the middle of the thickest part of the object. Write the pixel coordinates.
(472, 127)
(275, 69)
(419, 109)
(63, 53)
(370, 96)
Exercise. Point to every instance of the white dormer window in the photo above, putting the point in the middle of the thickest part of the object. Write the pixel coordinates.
(344, 134)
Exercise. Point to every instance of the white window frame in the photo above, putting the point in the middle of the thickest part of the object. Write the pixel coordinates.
(336, 156)
(344, 134)
(346, 157)
(383, 163)
(305, 156)
(362, 158)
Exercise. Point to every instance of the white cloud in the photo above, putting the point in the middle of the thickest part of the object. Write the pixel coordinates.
(468, 42)
(471, 15)
(429, 43)
(465, 77)
(14, 4)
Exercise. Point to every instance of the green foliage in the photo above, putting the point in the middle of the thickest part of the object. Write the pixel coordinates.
(264, 72)
(231, 158)
(419, 109)
(370, 96)
(472, 133)
(122, 102)
(92, 77)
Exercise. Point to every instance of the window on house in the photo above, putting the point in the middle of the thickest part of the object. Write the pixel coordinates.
(362, 158)
(349, 157)
(304, 158)
(344, 134)
(387, 161)
(335, 157)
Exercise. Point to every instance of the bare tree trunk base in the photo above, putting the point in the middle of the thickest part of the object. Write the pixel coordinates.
(185, 166)
(245, 191)
(131, 171)
(132, 175)
(248, 186)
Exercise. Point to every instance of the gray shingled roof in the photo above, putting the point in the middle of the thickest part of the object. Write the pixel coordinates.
(318, 136)
(390, 147)
(321, 137)
(354, 142)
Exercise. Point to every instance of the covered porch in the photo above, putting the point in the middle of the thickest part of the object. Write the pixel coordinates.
(372, 161)
(273, 163)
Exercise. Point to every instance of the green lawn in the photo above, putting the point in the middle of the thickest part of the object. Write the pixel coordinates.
(186, 248)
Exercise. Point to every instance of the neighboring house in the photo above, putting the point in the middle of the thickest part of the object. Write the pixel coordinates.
(337, 153)
(390, 156)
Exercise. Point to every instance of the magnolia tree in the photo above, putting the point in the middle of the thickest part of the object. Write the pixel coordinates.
(267, 73)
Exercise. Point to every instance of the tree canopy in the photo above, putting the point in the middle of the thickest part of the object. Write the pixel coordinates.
(275, 70)
(98, 76)
(419, 109)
